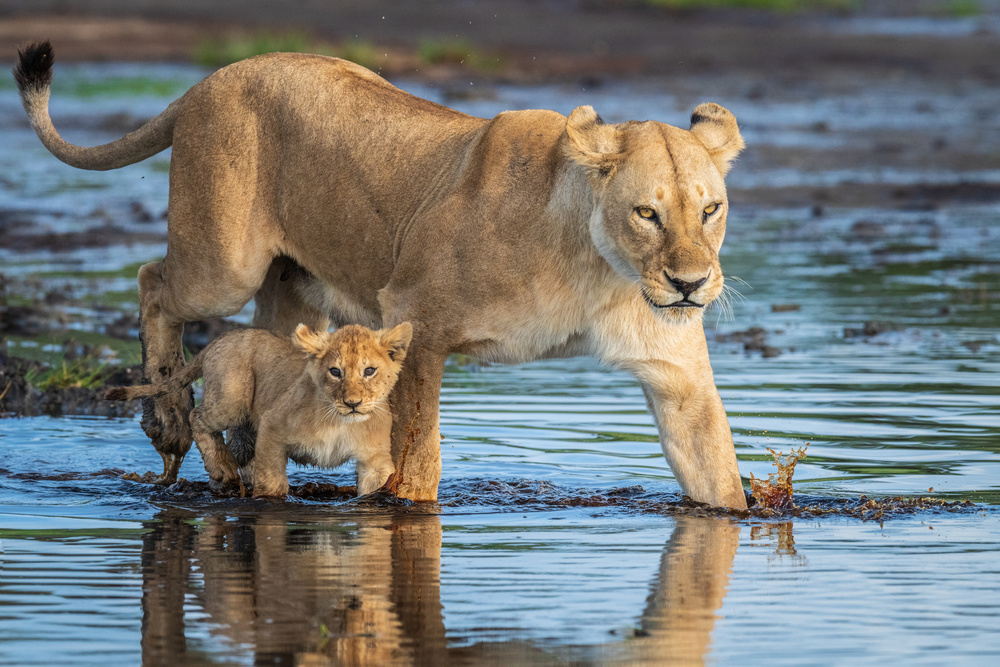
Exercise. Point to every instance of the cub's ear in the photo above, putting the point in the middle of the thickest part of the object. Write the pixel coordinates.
(313, 342)
(397, 340)
(592, 143)
(716, 127)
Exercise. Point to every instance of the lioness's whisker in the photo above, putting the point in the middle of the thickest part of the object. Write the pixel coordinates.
(740, 280)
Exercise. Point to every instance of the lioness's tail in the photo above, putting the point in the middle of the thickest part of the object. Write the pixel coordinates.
(185, 376)
(33, 74)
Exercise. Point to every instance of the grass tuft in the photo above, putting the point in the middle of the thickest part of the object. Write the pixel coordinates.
(85, 372)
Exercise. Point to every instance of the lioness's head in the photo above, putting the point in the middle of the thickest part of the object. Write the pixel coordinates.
(661, 205)
(355, 366)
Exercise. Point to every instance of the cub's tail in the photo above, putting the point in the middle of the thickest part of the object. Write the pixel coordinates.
(185, 376)
(33, 74)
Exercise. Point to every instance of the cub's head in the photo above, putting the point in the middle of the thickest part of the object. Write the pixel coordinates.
(355, 366)
(661, 206)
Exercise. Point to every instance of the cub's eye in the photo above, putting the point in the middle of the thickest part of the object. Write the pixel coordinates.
(370, 371)
(335, 372)
(646, 213)
(709, 211)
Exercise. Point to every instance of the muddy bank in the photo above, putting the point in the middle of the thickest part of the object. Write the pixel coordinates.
(75, 382)
(22, 397)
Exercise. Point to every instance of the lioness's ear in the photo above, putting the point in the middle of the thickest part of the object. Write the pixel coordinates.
(397, 340)
(592, 143)
(716, 127)
(313, 342)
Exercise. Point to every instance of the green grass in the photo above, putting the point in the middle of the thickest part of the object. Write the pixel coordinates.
(764, 5)
(361, 52)
(122, 86)
(222, 52)
(84, 372)
(455, 52)
(964, 8)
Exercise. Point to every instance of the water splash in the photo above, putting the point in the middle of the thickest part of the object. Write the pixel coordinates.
(776, 491)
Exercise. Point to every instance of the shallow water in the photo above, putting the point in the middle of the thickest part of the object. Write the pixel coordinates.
(560, 534)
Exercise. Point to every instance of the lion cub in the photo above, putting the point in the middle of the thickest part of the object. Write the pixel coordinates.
(315, 397)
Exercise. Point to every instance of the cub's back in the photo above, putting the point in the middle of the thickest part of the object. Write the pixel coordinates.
(252, 357)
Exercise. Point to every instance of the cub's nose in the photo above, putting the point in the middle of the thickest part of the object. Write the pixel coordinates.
(684, 287)
(353, 405)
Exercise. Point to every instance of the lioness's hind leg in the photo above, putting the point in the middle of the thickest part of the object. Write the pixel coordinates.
(164, 419)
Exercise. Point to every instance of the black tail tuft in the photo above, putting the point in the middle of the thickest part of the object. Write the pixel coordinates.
(33, 71)
(116, 394)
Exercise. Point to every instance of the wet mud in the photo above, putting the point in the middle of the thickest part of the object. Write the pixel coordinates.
(526, 495)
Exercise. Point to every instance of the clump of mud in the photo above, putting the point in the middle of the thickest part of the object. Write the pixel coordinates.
(776, 491)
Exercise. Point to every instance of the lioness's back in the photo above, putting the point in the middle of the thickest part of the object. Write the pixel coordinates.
(285, 84)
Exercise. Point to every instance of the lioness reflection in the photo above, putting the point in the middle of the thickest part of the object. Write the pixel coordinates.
(365, 590)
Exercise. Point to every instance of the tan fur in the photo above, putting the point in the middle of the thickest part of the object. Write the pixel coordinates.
(513, 238)
(286, 388)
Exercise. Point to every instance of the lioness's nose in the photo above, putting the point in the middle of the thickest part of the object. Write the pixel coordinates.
(684, 287)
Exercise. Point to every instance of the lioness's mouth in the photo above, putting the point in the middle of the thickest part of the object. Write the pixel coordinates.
(683, 303)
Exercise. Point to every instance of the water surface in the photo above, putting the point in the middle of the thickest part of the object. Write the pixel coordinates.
(560, 534)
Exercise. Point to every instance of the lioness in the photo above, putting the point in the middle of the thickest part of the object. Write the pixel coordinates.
(316, 187)
(313, 397)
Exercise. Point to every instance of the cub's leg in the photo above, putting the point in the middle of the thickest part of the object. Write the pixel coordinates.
(219, 461)
(416, 440)
(373, 470)
(270, 465)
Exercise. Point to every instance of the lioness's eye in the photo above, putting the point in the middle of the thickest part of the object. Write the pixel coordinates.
(646, 213)
(335, 372)
(370, 371)
(710, 210)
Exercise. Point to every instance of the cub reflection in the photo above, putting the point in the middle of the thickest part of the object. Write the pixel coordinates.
(362, 590)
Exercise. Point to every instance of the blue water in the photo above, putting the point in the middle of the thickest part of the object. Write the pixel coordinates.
(519, 563)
